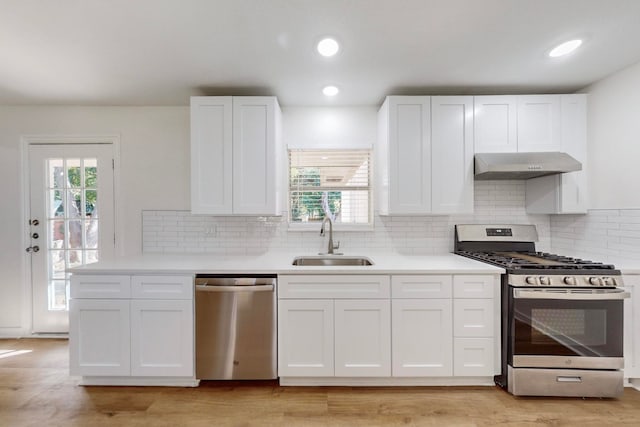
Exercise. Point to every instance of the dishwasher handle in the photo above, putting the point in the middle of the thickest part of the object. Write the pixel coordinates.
(214, 288)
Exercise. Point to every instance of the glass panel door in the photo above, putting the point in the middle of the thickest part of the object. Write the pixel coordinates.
(71, 222)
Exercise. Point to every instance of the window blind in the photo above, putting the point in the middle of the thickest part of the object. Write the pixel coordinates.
(333, 182)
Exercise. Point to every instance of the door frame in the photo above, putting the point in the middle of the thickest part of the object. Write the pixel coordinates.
(61, 139)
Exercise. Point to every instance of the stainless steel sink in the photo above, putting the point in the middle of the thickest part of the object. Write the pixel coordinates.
(332, 260)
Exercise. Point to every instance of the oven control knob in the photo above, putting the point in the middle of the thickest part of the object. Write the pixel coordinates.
(530, 280)
(609, 281)
(544, 280)
(595, 281)
(569, 280)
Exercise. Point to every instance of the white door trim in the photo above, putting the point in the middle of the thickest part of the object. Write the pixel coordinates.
(62, 139)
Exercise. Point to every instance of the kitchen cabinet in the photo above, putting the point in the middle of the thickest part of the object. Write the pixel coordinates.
(334, 326)
(539, 123)
(425, 155)
(131, 326)
(534, 123)
(564, 193)
(517, 123)
(235, 155)
(476, 325)
(399, 327)
(632, 329)
(495, 124)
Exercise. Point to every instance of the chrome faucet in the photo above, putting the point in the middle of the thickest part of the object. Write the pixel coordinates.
(331, 247)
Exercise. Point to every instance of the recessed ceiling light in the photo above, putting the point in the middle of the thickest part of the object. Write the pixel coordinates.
(330, 90)
(328, 47)
(565, 48)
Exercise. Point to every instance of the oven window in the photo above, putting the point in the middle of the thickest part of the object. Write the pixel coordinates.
(567, 328)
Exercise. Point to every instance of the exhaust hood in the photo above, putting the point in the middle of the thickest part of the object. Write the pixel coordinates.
(523, 165)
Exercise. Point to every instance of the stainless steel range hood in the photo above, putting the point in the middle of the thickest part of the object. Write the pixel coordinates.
(523, 165)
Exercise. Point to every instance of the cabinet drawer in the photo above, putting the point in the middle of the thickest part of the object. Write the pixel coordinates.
(473, 357)
(473, 286)
(421, 286)
(473, 318)
(333, 286)
(102, 286)
(162, 287)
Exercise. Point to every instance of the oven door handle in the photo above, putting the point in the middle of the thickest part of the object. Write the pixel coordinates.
(571, 295)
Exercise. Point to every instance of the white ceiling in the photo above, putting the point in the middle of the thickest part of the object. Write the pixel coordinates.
(160, 52)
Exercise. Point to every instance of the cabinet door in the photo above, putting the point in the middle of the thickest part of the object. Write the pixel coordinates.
(255, 153)
(422, 337)
(539, 123)
(451, 154)
(573, 188)
(473, 357)
(362, 338)
(495, 124)
(99, 337)
(162, 338)
(631, 329)
(305, 338)
(409, 155)
(211, 155)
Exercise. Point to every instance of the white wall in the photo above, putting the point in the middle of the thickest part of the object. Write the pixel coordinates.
(154, 174)
(614, 140)
(329, 127)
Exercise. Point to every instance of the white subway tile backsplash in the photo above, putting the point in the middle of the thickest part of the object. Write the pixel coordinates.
(180, 231)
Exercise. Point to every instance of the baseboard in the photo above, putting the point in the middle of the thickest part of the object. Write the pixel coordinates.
(139, 381)
(386, 381)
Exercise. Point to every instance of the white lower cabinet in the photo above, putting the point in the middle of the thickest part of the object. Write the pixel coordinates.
(362, 338)
(403, 326)
(305, 338)
(128, 334)
(99, 337)
(334, 326)
(161, 338)
(632, 329)
(422, 337)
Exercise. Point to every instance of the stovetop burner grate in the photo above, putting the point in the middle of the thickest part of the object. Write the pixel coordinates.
(534, 261)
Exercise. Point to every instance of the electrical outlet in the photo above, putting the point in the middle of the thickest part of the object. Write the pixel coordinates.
(211, 231)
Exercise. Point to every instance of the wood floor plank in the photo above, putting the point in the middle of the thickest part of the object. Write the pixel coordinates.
(36, 390)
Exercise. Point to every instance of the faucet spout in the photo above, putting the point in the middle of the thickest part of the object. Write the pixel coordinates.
(331, 246)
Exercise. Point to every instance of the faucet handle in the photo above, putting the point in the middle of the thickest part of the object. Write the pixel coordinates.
(336, 245)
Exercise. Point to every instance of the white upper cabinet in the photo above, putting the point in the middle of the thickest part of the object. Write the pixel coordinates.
(425, 155)
(211, 155)
(404, 155)
(495, 123)
(517, 123)
(235, 154)
(451, 154)
(539, 123)
(564, 193)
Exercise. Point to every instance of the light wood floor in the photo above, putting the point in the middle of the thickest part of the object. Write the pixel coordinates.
(36, 390)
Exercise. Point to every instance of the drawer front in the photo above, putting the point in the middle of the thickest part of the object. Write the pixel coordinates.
(100, 286)
(473, 318)
(162, 287)
(333, 286)
(473, 286)
(473, 357)
(421, 286)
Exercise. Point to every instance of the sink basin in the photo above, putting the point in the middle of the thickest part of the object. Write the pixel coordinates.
(327, 260)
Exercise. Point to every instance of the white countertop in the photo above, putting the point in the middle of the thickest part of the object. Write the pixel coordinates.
(280, 263)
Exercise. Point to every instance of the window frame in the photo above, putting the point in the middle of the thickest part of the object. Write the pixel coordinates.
(338, 226)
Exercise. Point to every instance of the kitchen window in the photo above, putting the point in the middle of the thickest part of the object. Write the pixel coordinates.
(335, 182)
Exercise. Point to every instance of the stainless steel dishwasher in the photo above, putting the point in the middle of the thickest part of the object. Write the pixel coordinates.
(236, 327)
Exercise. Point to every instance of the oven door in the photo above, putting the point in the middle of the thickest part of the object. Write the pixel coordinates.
(566, 328)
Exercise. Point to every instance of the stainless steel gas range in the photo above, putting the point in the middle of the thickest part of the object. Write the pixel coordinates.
(562, 317)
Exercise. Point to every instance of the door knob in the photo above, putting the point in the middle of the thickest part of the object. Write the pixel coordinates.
(33, 249)
(35, 235)
(34, 222)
